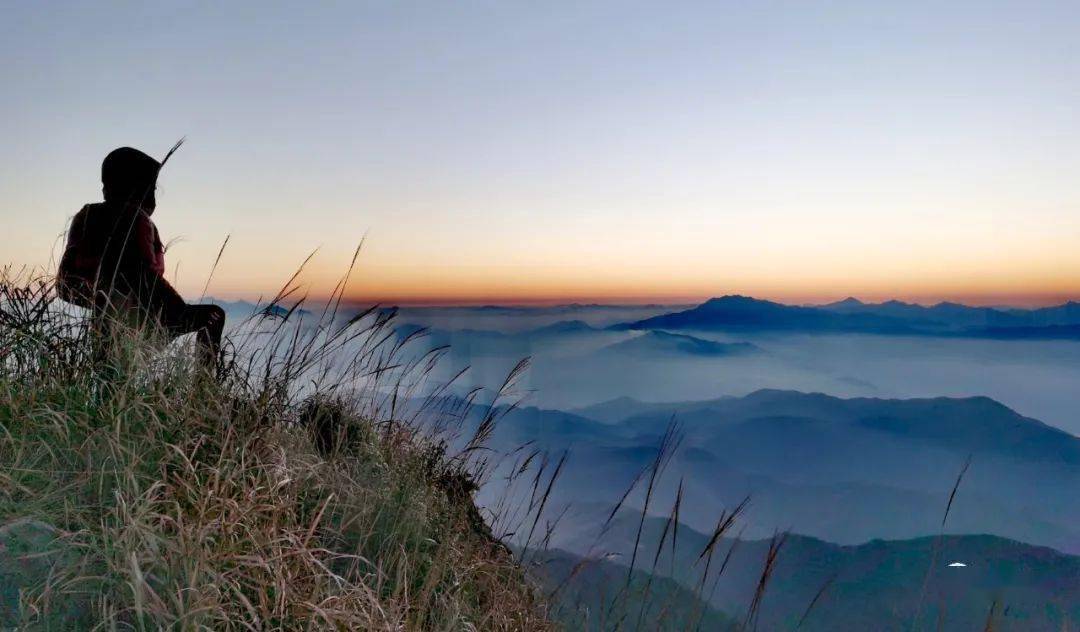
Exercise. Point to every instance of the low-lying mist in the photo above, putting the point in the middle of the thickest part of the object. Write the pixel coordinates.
(1036, 378)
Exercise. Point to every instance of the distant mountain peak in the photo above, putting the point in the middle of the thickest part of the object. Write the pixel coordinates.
(952, 305)
(849, 304)
(733, 298)
(565, 326)
(729, 301)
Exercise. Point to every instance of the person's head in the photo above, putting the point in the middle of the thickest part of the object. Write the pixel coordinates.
(129, 177)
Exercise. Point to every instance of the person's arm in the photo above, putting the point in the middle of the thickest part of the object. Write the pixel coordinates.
(148, 245)
(69, 263)
(72, 279)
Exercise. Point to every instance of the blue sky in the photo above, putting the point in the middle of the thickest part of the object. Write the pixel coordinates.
(546, 151)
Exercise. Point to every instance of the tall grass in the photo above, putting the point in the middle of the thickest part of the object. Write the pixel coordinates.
(309, 484)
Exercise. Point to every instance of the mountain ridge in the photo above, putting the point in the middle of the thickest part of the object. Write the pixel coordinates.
(879, 584)
(850, 315)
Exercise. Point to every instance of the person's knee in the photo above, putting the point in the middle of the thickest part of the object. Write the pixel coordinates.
(215, 319)
(205, 315)
(208, 319)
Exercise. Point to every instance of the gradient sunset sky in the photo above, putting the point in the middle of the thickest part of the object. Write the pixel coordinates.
(512, 151)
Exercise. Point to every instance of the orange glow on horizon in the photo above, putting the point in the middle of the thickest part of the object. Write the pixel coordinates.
(422, 300)
(661, 284)
(371, 291)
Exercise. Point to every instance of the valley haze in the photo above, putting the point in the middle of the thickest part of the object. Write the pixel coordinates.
(845, 422)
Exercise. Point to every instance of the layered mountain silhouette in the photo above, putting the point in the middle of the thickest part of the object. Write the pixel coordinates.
(861, 483)
(844, 470)
(742, 313)
(974, 425)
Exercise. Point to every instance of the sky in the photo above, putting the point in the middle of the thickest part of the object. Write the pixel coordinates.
(548, 152)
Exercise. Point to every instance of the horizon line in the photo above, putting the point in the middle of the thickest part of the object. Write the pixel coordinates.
(1000, 301)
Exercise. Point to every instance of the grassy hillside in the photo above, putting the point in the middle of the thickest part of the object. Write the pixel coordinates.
(292, 492)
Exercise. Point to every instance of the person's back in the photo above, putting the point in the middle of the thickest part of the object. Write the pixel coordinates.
(108, 248)
(114, 262)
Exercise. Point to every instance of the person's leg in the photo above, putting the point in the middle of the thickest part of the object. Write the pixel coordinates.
(208, 323)
(112, 318)
(100, 334)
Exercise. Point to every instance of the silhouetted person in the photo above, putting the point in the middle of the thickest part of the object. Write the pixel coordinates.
(114, 261)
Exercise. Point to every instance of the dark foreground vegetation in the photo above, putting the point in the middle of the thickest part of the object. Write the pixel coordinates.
(289, 492)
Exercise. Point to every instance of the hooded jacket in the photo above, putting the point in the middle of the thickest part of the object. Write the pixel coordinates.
(110, 248)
